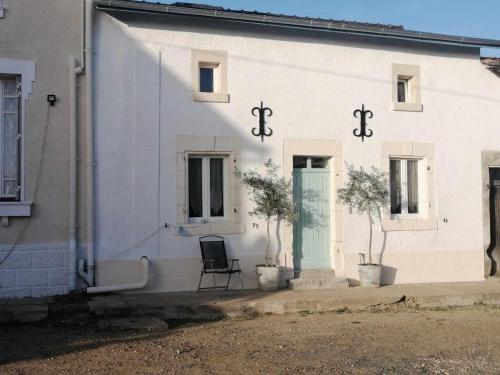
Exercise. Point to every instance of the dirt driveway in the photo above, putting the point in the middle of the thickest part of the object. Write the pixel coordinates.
(390, 342)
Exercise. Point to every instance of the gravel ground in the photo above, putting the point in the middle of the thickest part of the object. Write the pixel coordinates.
(464, 341)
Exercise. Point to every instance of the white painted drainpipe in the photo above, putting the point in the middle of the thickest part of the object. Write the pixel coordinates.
(89, 276)
(123, 287)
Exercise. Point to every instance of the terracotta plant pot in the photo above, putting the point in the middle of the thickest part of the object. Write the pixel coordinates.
(370, 275)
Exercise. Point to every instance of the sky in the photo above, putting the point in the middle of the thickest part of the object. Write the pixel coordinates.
(473, 18)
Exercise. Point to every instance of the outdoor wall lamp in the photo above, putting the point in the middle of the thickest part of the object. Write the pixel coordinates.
(51, 98)
(362, 131)
(262, 112)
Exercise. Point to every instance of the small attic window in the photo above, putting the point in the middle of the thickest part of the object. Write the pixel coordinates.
(208, 73)
(403, 95)
(406, 95)
(209, 76)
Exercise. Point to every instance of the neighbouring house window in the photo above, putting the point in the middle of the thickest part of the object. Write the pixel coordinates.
(209, 76)
(2, 8)
(404, 186)
(206, 187)
(10, 138)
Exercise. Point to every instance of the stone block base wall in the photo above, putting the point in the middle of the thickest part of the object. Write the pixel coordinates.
(34, 273)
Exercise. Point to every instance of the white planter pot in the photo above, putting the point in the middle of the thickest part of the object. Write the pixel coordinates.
(268, 278)
(369, 275)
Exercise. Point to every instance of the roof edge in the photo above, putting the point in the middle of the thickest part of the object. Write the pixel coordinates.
(318, 24)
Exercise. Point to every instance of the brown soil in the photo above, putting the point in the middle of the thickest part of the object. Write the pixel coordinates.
(385, 342)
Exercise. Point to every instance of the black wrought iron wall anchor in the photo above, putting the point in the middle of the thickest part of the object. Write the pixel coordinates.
(363, 131)
(262, 112)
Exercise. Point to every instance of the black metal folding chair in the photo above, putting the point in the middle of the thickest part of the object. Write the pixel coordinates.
(214, 261)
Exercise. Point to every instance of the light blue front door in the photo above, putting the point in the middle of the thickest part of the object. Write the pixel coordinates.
(311, 231)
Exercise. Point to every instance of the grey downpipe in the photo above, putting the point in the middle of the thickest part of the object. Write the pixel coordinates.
(74, 71)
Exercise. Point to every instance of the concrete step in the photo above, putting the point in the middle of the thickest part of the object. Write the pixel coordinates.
(317, 280)
(25, 310)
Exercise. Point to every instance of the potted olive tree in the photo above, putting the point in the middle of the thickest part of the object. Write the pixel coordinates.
(272, 199)
(367, 192)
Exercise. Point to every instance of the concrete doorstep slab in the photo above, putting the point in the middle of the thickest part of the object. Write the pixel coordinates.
(249, 303)
(26, 310)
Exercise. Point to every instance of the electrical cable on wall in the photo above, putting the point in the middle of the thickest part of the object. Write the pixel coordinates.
(38, 178)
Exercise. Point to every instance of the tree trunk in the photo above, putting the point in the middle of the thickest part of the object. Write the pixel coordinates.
(371, 238)
(380, 259)
(278, 237)
(268, 242)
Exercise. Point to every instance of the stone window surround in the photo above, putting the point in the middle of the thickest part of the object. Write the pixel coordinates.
(424, 152)
(412, 73)
(207, 145)
(25, 69)
(211, 57)
(334, 150)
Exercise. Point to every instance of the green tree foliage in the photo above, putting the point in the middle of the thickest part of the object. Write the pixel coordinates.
(366, 192)
(271, 196)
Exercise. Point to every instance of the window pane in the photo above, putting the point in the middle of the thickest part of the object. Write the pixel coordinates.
(10, 146)
(10, 104)
(10, 189)
(206, 79)
(216, 187)
(413, 186)
(195, 187)
(10, 88)
(395, 181)
(402, 85)
(319, 162)
(300, 161)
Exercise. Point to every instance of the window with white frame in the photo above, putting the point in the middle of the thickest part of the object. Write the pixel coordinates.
(207, 187)
(10, 138)
(404, 187)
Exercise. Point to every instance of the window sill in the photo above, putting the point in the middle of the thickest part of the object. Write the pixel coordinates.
(209, 228)
(216, 97)
(407, 107)
(392, 225)
(11, 209)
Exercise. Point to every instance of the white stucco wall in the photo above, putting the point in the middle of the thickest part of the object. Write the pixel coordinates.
(313, 83)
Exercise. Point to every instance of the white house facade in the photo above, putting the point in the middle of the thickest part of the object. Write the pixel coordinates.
(157, 104)
(175, 87)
